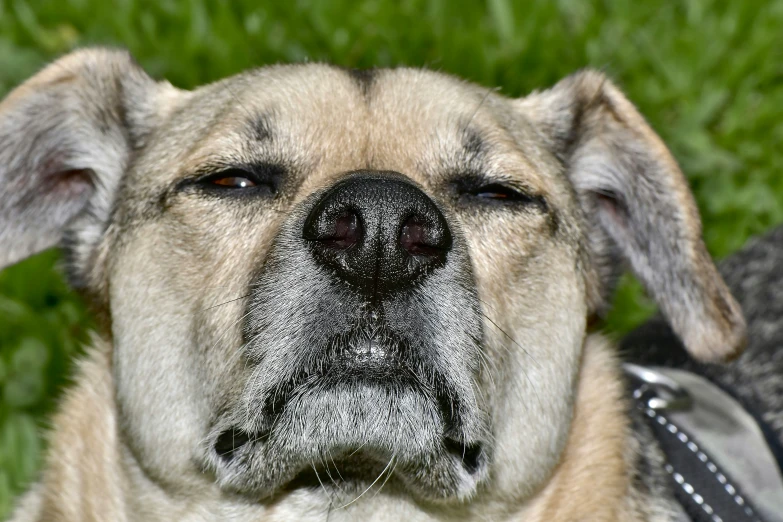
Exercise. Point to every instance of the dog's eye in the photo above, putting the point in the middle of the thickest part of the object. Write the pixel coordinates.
(236, 182)
(262, 179)
(232, 179)
(499, 192)
(475, 192)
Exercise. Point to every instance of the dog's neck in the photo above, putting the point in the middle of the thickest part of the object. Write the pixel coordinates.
(88, 461)
(83, 461)
(593, 478)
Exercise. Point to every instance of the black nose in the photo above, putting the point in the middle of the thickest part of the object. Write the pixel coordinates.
(378, 232)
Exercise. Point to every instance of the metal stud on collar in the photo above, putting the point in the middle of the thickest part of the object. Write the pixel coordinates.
(669, 395)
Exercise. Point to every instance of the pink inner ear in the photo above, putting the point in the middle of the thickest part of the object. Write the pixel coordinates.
(74, 178)
(613, 210)
(62, 194)
(68, 185)
(42, 206)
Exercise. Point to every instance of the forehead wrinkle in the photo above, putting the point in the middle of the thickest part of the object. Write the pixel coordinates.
(260, 126)
(326, 127)
(322, 120)
(309, 119)
(230, 140)
(239, 133)
(462, 151)
(490, 138)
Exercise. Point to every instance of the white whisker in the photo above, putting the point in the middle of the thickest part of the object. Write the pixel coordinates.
(371, 485)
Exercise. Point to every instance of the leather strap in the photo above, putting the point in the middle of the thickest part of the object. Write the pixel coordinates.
(717, 457)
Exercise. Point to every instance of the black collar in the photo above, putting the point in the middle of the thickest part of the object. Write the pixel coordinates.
(717, 457)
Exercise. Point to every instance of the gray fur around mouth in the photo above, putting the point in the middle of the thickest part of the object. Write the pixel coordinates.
(361, 403)
(356, 428)
(366, 356)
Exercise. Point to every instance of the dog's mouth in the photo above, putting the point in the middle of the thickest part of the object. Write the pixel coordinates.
(364, 412)
(354, 469)
(357, 470)
(376, 359)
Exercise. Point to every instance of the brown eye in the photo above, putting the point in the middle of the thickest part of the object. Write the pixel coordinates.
(237, 182)
(259, 180)
(235, 179)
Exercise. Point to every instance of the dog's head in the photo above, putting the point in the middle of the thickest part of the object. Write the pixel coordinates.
(315, 274)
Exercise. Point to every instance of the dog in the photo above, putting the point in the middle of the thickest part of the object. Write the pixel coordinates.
(330, 294)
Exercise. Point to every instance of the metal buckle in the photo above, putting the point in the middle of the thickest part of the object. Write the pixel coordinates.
(669, 395)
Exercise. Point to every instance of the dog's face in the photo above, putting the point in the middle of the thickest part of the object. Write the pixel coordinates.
(317, 275)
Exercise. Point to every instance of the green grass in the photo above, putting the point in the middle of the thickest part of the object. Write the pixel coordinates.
(708, 75)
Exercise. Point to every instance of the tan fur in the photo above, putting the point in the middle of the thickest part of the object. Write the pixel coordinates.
(164, 267)
(85, 465)
(591, 482)
(593, 474)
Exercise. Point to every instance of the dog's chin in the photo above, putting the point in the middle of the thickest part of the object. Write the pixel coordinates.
(350, 437)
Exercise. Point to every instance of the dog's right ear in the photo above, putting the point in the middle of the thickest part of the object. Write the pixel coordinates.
(638, 211)
(66, 136)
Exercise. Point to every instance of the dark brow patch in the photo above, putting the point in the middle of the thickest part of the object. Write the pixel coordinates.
(260, 127)
(466, 152)
(363, 78)
(470, 152)
(472, 143)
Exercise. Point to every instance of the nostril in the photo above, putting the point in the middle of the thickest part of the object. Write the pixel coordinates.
(471, 455)
(347, 232)
(419, 239)
(229, 442)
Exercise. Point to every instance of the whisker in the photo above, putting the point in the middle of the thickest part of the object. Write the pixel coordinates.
(514, 341)
(328, 473)
(239, 102)
(227, 302)
(388, 476)
(238, 353)
(489, 366)
(527, 378)
(371, 485)
(489, 91)
(357, 449)
(312, 465)
(477, 390)
(487, 304)
(336, 468)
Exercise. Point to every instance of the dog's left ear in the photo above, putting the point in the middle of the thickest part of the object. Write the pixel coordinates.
(638, 210)
(66, 137)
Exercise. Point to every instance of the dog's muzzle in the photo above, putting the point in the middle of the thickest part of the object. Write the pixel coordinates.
(363, 338)
(378, 234)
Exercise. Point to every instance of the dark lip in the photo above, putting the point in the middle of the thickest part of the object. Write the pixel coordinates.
(378, 358)
(345, 366)
(353, 469)
(343, 371)
(472, 455)
(357, 467)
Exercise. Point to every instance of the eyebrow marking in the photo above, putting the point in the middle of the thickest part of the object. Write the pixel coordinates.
(469, 153)
(260, 128)
(473, 143)
(363, 78)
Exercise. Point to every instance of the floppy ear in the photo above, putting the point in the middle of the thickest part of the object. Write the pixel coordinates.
(66, 136)
(638, 209)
